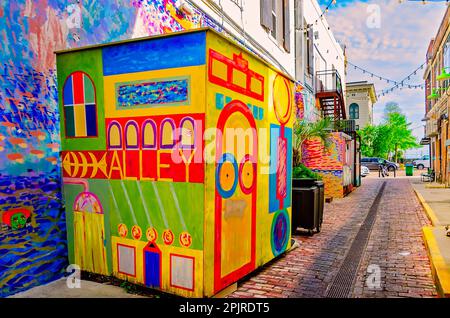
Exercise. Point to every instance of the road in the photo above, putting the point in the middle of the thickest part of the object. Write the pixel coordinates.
(387, 258)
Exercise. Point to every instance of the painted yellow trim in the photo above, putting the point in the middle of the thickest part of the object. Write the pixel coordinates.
(428, 210)
(435, 186)
(439, 268)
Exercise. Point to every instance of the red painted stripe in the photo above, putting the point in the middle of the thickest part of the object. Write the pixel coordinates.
(78, 85)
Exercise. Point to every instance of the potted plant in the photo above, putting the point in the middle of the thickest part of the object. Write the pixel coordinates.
(307, 187)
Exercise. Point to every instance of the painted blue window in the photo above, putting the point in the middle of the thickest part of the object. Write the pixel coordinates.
(354, 111)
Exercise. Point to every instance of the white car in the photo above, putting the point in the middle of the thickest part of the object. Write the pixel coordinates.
(422, 163)
(364, 171)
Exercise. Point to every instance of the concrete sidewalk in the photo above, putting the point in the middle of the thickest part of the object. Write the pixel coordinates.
(436, 203)
(88, 289)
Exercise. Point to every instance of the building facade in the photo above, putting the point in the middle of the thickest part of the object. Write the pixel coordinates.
(360, 99)
(321, 62)
(321, 74)
(437, 101)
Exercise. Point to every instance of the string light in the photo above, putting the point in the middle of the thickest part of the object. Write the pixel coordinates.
(332, 2)
(364, 71)
(397, 85)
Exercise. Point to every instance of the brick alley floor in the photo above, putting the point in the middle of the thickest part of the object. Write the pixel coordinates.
(395, 250)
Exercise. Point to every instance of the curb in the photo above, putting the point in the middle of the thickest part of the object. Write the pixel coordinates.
(439, 269)
(428, 210)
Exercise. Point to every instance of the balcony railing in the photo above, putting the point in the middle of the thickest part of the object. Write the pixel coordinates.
(328, 81)
(345, 125)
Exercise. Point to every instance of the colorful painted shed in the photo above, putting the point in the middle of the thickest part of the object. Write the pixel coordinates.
(177, 156)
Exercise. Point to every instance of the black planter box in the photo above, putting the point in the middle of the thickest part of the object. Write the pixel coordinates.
(307, 204)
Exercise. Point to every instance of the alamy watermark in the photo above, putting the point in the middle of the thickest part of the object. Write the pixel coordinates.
(74, 279)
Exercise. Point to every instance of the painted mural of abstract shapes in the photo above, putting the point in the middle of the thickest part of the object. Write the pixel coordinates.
(299, 103)
(280, 232)
(316, 156)
(81, 164)
(151, 93)
(182, 272)
(126, 259)
(89, 229)
(235, 198)
(154, 54)
(280, 172)
(16, 219)
(235, 75)
(166, 148)
(282, 99)
(80, 113)
(167, 211)
(152, 265)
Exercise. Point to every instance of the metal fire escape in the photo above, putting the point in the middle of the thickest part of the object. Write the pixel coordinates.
(330, 94)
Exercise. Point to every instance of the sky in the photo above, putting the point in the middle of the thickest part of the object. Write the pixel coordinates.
(389, 39)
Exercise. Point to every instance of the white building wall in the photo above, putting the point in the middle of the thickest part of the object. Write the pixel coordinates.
(328, 52)
(362, 98)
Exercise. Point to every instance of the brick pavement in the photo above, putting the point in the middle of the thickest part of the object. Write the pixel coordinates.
(308, 270)
(396, 246)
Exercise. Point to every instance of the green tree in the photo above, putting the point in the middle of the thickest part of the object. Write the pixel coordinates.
(393, 136)
(389, 108)
(375, 140)
(401, 135)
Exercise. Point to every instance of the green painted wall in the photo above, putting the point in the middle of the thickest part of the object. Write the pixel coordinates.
(90, 62)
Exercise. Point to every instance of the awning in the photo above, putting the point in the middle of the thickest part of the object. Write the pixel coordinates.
(425, 141)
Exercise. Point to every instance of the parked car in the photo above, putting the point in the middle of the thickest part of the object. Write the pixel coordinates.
(364, 171)
(374, 162)
(422, 163)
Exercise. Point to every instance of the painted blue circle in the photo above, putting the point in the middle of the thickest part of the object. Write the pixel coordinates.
(280, 232)
(230, 158)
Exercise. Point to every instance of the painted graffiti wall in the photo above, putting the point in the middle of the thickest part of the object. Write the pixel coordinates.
(32, 220)
(333, 164)
(144, 201)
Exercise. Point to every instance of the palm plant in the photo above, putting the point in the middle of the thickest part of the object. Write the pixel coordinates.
(304, 130)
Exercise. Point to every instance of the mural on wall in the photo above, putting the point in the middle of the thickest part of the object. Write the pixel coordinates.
(30, 170)
(32, 221)
(143, 199)
(330, 163)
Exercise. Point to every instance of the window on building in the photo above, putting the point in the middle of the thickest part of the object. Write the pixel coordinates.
(309, 50)
(276, 20)
(80, 112)
(354, 111)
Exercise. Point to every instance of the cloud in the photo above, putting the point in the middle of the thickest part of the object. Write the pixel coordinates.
(393, 50)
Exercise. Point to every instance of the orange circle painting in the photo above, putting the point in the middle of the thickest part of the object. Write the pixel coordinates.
(168, 237)
(282, 99)
(185, 239)
(151, 234)
(123, 231)
(136, 232)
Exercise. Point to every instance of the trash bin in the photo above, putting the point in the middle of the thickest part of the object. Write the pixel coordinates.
(306, 207)
(409, 169)
(321, 186)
